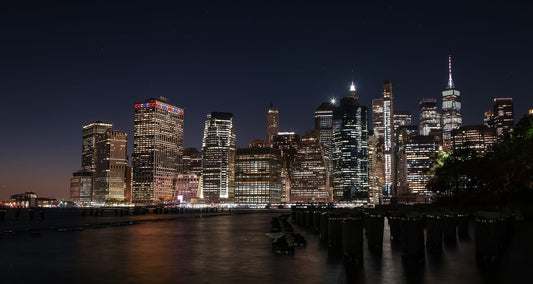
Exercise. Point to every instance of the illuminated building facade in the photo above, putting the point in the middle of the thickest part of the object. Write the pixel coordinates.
(157, 150)
(402, 118)
(383, 127)
(478, 138)
(324, 126)
(310, 176)
(81, 186)
(488, 118)
(111, 167)
(288, 143)
(429, 116)
(272, 124)
(186, 187)
(375, 192)
(350, 149)
(92, 133)
(218, 158)
(258, 175)
(419, 155)
(192, 161)
(503, 116)
(451, 109)
(404, 134)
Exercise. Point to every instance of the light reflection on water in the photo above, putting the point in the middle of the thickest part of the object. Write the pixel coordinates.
(223, 249)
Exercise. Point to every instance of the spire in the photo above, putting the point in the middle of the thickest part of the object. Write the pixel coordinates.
(352, 87)
(450, 81)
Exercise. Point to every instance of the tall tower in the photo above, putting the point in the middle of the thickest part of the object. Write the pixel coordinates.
(112, 160)
(503, 116)
(451, 108)
(218, 158)
(272, 124)
(429, 116)
(324, 127)
(157, 150)
(92, 132)
(350, 149)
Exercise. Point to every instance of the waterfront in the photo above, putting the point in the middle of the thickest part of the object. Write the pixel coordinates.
(230, 249)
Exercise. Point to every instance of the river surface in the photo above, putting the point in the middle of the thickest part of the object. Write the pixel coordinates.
(229, 249)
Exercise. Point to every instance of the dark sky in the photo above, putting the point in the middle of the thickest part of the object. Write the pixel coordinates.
(66, 64)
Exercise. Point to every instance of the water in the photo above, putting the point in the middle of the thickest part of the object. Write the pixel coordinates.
(227, 249)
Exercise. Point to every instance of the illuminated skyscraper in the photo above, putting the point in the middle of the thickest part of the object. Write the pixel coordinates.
(429, 116)
(310, 177)
(402, 118)
(111, 163)
(218, 158)
(192, 161)
(451, 108)
(350, 149)
(157, 150)
(383, 127)
(258, 175)
(288, 143)
(324, 126)
(272, 124)
(419, 152)
(503, 116)
(478, 138)
(92, 133)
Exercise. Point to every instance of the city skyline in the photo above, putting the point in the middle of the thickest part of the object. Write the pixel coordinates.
(96, 65)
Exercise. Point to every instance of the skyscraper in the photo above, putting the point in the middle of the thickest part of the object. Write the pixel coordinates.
(110, 173)
(451, 108)
(258, 175)
(157, 150)
(288, 143)
(478, 138)
(402, 118)
(429, 116)
(310, 177)
(420, 152)
(324, 126)
(488, 118)
(92, 133)
(350, 149)
(218, 158)
(272, 124)
(503, 116)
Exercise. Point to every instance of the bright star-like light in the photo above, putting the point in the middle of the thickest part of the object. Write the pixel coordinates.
(333, 101)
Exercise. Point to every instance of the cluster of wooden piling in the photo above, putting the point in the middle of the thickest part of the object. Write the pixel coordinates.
(415, 232)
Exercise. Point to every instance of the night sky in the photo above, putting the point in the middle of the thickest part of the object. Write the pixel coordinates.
(64, 65)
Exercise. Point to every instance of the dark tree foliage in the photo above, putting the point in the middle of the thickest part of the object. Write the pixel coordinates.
(504, 175)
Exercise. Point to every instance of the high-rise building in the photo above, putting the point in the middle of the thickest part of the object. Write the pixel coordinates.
(258, 175)
(310, 177)
(350, 149)
(503, 116)
(404, 134)
(420, 152)
(218, 158)
(488, 118)
(402, 118)
(324, 126)
(192, 161)
(429, 116)
(92, 133)
(111, 167)
(451, 109)
(272, 124)
(81, 186)
(288, 143)
(157, 150)
(478, 138)
(375, 190)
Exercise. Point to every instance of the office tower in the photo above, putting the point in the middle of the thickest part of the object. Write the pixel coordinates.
(402, 118)
(272, 124)
(350, 149)
(218, 158)
(81, 187)
(324, 126)
(419, 152)
(310, 177)
(451, 109)
(92, 133)
(429, 116)
(478, 138)
(375, 192)
(488, 118)
(192, 161)
(404, 134)
(258, 175)
(287, 143)
(503, 116)
(186, 187)
(157, 150)
(111, 167)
